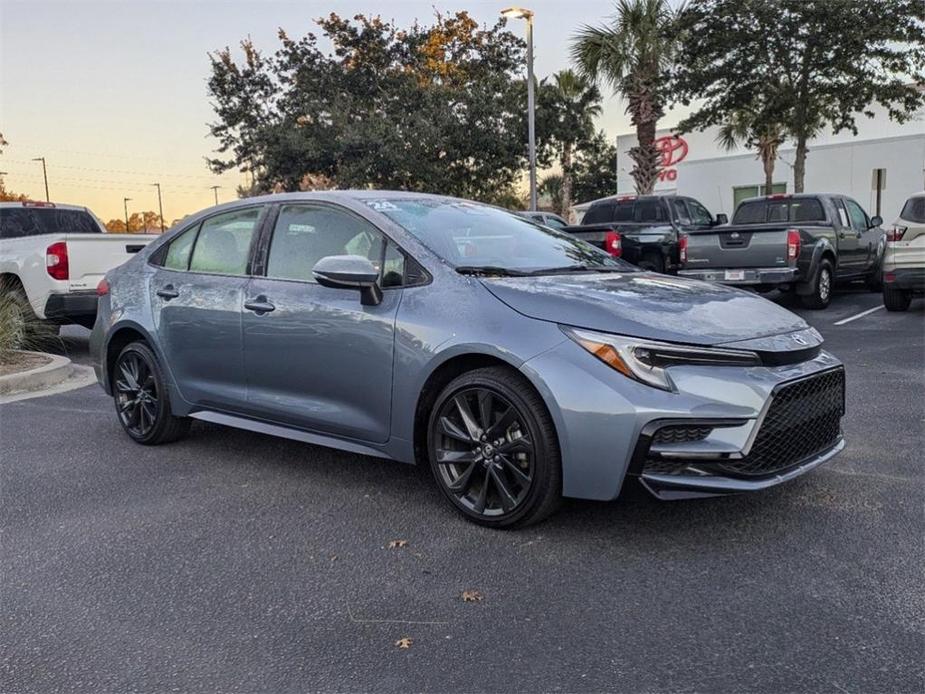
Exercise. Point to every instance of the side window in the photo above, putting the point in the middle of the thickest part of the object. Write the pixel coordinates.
(858, 218)
(304, 234)
(178, 251)
(224, 242)
(679, 210)
(700, 215)
(554, 222)
(842, 213)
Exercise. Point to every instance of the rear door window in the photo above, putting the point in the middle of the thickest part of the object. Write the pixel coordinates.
(679, 209)
(16, 222)
(224, 241)
(842, 213)
(700, 215)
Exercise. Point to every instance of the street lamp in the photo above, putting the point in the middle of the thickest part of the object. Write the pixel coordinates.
(45, 175)
(160, 206)
(125, 202)
(215, 190)
(523, 13)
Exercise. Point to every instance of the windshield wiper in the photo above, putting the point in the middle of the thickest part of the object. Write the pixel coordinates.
(490, 271)
(576, 268)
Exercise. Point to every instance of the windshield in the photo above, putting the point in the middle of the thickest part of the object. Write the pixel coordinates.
(472, 235)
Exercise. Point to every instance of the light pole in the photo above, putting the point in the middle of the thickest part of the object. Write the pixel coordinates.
(125, 202)
(215, 190)
(160, 205)
(523, 13)
(45, 176)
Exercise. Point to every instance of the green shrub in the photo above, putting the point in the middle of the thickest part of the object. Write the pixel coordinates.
(19, 326)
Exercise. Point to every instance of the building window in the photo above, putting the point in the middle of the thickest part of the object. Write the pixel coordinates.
(740, 193)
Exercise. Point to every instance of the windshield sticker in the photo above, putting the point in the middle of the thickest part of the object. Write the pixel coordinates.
(382, 205)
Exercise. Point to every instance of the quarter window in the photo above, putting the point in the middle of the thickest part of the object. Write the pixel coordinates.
(224, 242)
(305, 234)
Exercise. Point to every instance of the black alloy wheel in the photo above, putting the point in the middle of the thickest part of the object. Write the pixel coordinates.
(493, 451)
(141, 398)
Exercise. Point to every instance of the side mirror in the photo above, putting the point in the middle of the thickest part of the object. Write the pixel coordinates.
(876, 221)
(721, 219)
(350, 272)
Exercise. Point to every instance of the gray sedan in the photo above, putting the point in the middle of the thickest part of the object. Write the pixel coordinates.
(519, 364)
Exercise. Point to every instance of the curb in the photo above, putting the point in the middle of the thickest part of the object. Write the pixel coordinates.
(45, 376)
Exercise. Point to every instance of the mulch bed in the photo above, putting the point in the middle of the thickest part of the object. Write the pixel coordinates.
(16, 362)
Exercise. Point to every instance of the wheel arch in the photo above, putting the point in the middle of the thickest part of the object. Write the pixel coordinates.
(444, 372)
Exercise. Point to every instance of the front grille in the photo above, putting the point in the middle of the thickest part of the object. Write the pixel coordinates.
(803, 419)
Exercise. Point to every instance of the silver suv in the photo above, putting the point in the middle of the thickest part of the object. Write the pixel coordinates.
(904, 257)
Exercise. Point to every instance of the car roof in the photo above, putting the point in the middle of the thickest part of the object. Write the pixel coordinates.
(37, 205)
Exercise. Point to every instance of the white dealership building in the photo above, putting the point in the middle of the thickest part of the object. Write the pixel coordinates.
(884, 162)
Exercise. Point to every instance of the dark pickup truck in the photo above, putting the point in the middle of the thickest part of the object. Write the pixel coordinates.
(644, 230)
(802, 243)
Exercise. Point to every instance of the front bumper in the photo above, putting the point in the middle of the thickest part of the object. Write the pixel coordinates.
(692, 486)
(73, 307)
(745, 276)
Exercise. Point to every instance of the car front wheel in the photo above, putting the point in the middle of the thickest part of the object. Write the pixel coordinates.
(140, 394)
(493, 449)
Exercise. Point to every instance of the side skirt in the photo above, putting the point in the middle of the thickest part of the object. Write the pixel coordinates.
(288, 433)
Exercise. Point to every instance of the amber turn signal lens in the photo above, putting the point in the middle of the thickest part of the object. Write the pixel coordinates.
(607, 354)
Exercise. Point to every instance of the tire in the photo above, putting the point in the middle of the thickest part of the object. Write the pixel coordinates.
(896, 299)
(654, 262)
(510, 478)
(150, 422)
(821, 294)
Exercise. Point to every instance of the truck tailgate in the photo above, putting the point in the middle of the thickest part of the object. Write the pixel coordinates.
(737, 247)
(90, 256)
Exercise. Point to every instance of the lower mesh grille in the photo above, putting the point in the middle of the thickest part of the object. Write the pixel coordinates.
(804, 419)
(681, 434)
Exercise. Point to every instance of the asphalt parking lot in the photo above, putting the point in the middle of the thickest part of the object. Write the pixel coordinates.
(236, 562)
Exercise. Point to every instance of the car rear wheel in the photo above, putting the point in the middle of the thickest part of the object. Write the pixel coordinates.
(896, 299)
(493, 449)
(821, 292)
(140, 394)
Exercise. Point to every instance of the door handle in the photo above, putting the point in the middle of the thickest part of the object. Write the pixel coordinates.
(260, 305)
(168, 292)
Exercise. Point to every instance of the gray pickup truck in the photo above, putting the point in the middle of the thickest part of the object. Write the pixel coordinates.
(643, 230)
(802, 243)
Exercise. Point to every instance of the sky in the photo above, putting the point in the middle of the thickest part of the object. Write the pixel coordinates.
(113, 93)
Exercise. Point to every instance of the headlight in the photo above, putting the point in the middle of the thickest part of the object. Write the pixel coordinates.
(646, 361)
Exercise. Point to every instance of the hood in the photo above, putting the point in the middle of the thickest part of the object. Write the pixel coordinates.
(648, 305)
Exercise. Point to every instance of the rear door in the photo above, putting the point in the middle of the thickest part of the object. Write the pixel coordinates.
(197, 296)
(319, 359)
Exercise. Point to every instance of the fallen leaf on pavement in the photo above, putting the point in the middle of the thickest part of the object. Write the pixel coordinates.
(398, 543)
(404, 642)
(471, 596)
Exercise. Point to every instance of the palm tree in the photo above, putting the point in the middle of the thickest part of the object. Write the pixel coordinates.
(632, 55)
(575, 103)
(763, 135)
(551, 185)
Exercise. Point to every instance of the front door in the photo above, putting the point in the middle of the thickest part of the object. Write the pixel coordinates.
(866, 238)
(315, 357)
(197, 295)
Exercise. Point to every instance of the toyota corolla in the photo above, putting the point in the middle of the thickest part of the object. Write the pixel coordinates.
(520, 364)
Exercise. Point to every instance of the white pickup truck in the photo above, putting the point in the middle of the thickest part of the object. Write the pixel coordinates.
(53, 256)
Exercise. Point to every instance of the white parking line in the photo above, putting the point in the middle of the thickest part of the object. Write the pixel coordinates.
(859, 315)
